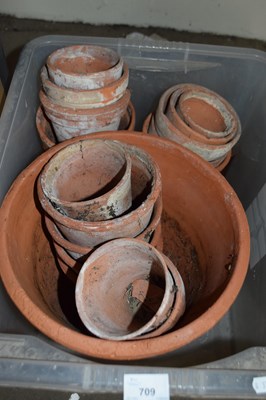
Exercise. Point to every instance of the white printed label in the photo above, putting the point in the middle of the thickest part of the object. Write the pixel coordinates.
(259, 384)
(146, 387)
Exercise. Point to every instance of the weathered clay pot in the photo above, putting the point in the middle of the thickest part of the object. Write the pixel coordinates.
(192, 102)
(208, 114)
(165, 128)
(76, 98)
(89, 180)
(74, 250)
(196, 198)
(46, 131)
(141, 299)
(84, 67)
(178, 307)
(70, 262)
(146, 189)
(69, 122)
(151, 234)
(149, 127)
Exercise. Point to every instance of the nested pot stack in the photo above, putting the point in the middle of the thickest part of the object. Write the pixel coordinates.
(198, 119)
(84, 90)
(93, 191)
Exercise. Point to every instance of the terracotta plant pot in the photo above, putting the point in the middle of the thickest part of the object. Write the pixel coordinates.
(141, 299)
(199, 119)
(46, 131)
(69, 122)
(151, 234)
(74, 250)
(84, 67)
(178, 307)
(208, 114)
(89, 180)
(209, 109)
(76, 98)
(165, 128)
(197, 200)
(146, 189)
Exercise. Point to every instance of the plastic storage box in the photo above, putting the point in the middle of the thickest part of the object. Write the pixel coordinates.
(224, 362)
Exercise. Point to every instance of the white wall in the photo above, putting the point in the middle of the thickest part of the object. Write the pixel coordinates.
(245, 18)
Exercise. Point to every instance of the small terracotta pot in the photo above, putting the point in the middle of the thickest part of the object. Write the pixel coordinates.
(149, 127)
(152, 234)
(84, 67)
(75, 251)
(166, 128)
(195, 101)
(195, 195)
(46, 131)
(71, 263)
(208, 114)
(146, 189)
(89, 180)
(76, 98)
(141, 298)
(69, 122)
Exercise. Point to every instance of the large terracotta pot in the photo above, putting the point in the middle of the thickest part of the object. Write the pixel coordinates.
(204, 228)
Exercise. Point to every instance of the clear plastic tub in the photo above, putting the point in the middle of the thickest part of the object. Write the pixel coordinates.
(223, 362)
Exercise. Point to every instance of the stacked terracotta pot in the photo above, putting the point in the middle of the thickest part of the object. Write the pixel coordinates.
(95, 191)
(84, 90)
(198, 119)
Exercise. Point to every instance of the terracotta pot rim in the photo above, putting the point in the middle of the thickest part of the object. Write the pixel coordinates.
(93, 98)
(58, 237)
(57, 112)
(108, 75)
(145, 348)
(220, 167)
(178, 307)
(41, 116)
(41, 119)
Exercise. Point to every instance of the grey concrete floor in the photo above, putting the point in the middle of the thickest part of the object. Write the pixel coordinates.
(15, 33)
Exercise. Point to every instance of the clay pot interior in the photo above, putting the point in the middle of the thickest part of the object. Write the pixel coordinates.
(205, 233)
(89, 180)
(139, 301)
